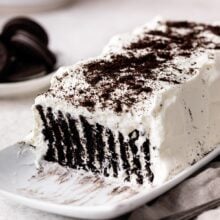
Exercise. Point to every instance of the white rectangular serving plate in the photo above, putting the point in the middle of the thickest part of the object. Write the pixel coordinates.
(67, 192)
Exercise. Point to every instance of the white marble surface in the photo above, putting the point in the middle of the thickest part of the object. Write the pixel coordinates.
(79, 31)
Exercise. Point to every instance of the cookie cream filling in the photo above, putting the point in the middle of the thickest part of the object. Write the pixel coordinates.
(142, 111)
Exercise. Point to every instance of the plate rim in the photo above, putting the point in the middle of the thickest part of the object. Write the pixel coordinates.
(111, 210)
(13, 84)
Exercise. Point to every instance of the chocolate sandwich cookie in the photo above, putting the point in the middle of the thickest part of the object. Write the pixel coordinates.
(26, 44)
(4, 60)
(22, 70)
(24, 52)
(25, 24)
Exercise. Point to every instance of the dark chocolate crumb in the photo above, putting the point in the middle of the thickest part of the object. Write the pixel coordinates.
(190, 114)
(88, 103)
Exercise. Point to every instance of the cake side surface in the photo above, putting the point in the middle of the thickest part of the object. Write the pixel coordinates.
(187, 122)
(138, 112)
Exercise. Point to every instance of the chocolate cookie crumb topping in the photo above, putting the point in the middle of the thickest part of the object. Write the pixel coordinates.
(149, 61)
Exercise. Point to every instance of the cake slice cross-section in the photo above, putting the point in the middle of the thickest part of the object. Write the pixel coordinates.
(141, 112)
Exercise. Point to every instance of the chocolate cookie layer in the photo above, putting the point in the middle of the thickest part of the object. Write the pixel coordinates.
(91, 152)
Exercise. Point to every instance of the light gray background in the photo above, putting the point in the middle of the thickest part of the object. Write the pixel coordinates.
(79, 31)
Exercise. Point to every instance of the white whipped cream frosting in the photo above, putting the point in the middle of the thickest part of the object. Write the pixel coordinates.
(182, 121)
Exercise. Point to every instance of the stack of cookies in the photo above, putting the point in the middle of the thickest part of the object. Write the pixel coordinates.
(24, 52)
